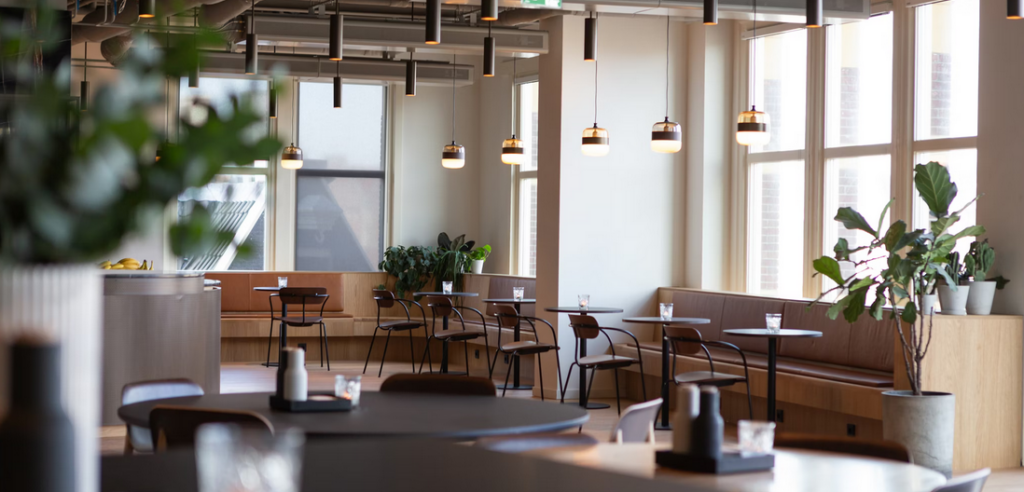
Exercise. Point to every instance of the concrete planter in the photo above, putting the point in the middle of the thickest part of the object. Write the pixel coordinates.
(928, 303)
(979, 299)
(954, 301)
(924, 424)
(477, 266)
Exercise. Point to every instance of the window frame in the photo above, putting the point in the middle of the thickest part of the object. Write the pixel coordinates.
(518, 176)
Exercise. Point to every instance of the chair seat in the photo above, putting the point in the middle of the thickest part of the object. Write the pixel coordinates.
(299, 320)
(399, 325)
(527, 347)
(606, 361)
(457, 335)
(707, 378)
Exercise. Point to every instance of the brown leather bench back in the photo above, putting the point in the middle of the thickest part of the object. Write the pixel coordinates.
(500, 287)
(695, 304)
(238, 296)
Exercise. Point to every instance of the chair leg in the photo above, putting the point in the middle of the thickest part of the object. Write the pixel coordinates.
(643, 385)
(128, 448)
(540, 371)
(412, 353)
(384, 355)
(493, 364)
(270, 342)
(465, 348)
(327, 347)
(567, 378)
(507, 374)
(426, 357)
(618, 403)
(368, 352)
(750, 404)
(320, 336)
(590, 385)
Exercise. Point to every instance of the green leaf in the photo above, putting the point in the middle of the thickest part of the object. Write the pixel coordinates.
(838, 307)
(907, 239)
(971, 231)
(853, 220)
(829, 267)
(862, 283)
(885, 210)
(1001, 282)
(934, 186)
(842, 249)
(909, 314)
(894, 235)
(856, 305)
(878, 306)
(940, 225)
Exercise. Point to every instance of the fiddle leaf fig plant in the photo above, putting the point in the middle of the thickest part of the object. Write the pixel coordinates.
(411, 267)
(898, 267)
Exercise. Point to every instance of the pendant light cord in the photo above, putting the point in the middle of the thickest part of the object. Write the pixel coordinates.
(85, 66)
(753, 78)
(515, 100)
(595, 69)
(667, 29)
(453, 98)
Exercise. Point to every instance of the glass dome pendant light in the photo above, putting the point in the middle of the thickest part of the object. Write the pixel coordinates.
(667, 136)
(752, 126)
(512, 150)
(291, 157)
(595, 139)
(453, 156)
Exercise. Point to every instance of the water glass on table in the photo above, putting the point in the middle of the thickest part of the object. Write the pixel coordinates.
(584, 301)
(773, 322)
(665, 309)
(348, 388)
(446, 287)
(282, 282)
(517, 293)
(756, 436)
(229, 457)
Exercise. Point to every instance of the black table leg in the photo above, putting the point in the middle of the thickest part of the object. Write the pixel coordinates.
(583, 382)
(444, 347)
(771, 380)
(282, 334)
(664, 424)
(515, 359)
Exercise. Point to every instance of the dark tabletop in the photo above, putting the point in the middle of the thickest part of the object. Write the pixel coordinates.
(511, 301)
(658, 321)
(395, 414)
(764, 333)
(442, 294)
(398, 465)
(267, 289)
(576, 309)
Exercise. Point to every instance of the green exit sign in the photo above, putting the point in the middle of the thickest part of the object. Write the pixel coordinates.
(551, 4)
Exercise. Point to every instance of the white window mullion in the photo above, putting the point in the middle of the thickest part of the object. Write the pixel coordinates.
(814, 162)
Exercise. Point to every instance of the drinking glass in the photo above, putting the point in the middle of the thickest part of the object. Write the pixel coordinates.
(282, 282)
(665, 308)
(354, 387)
(517, 293)
(756, 436)
(446, 287)
(340, 386)
(229, 457)
(584, 301)
(773, 322)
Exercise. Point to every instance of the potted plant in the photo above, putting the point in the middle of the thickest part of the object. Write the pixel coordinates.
(920, 420)
(452, 260)
(74, 184)
(477, 256)
(978, 262)
(953, 293)
(411, 266)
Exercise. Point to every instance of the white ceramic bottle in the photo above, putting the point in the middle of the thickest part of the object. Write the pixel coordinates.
(687, 409)
(296, 379)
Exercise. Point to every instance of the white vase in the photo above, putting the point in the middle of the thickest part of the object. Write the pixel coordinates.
(928, 303)
(66, 303)
(924, 424)
(979, 299)
(954, 301)
(478, 266)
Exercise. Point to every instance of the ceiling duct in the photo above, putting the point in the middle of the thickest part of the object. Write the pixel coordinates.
(427, 73)
(767, 10)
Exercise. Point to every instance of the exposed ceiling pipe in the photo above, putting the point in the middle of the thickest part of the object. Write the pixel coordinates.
(519, 17)
(130, 15)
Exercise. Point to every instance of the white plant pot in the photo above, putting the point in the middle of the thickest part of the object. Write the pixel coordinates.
(65, 302)
(928, 303)
(954, 301)
(478, 266)
(924, 424)
(979, 299)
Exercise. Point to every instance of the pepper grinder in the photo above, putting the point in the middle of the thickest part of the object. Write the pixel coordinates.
(296, 379)
(687, 409)
(708, 427)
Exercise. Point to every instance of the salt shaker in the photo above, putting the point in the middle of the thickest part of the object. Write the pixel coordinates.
(296, 379)
(687, 409)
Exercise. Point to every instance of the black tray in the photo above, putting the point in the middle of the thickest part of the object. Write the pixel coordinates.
(331, 404)
(731, 462)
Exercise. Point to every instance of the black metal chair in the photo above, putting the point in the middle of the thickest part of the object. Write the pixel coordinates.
(139, 439)
(586, 328)
(688, 341)
(386, 299)
(304, 296)
(508, 317)
(441, 307)
(438, 384)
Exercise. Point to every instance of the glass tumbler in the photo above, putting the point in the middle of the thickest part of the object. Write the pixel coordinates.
(282, 282)
(584, 301)
(446, 287)
(665, 309)
(773, 322)
(354, 387)
(229, 457)
(756, 436)
(517, 293)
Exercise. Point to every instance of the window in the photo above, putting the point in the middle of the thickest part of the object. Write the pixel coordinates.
(340, 188)
(526, 179)
(779, 76)
(237, 198)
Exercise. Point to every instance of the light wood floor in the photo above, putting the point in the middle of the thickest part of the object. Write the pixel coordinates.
(248, 378)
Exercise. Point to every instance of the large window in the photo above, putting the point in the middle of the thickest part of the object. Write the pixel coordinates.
(526, 180)
(340, 188)
(236, 199)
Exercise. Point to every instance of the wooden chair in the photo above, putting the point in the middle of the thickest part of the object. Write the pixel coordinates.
(688, 341)
(139, 438)
(840, 444)
(637, 423)
(304, 296)
(972, 482)
(438, 384)
(508, 318)
(175, 427)
(441, 307)
(386, 299)
(586, 328)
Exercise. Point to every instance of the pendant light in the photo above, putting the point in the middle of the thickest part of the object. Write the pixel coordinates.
(291, 157)
(667, 136)
(489, 53)
(814, 14)
(433, 27)
(336, 31)
(337, 86)
(251, 45)
(272, 111)
(710, 12)
(83, 92)
(193, 71)
(590, 38)
(595, 139)
(512, 151)
(1015, 9)
(147, 9)
(489, 10)
(453, 156)
(752, 126)
(410, 76)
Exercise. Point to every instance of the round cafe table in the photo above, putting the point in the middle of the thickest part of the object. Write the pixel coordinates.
(772, 346)
(663, 424)
(444, 326)
(518, 304)
(393, 414)
(583, 348)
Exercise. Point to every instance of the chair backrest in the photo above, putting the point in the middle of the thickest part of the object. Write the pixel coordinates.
(530, 442)
(676, 334)
(971, 482)
(584, 326)
(384, 298)
(175, 427)
(158, 390)
(840, 444)
(637, 423)
(439, 384)
(506, 314)
(440, 305)
(309, 296)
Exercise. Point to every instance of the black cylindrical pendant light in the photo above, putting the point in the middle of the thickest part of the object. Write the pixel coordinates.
(147, 9)
(272, 112)
(433, 35)
(193, 77)
(251, 45)
(489, 47)
(193, 72)
(489, 10)
(83, 96)
(590, 38)
(1015, 9)
(410, 77)
(337, 87)
(814, 16)
(710, 12)
(336, 31)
